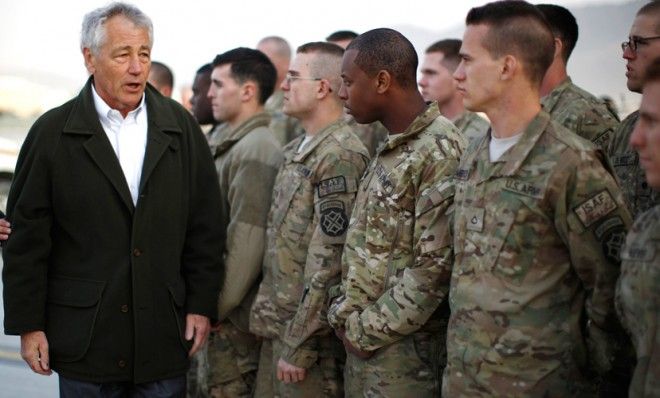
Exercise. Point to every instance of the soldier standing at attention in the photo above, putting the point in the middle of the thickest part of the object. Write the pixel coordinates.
(247, 157)
(397, 256)
(638, 290)
(539, 222)
(569, 105)
(437, 84)
(641, 48)
(312, 202)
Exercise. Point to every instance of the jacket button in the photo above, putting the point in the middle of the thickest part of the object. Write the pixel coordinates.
(121, 363)
(137, 252)
(124, 308)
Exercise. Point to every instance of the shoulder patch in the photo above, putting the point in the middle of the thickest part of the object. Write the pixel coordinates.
(334, 220)
(595, 208)
(332, 185)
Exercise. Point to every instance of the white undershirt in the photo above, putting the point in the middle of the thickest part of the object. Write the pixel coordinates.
(498, 146)
(128, 137)
(304, 142)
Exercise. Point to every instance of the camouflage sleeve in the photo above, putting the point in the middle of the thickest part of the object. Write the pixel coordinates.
(592, 219)
(407, 305)
(249, 195)
(597, 128)
(333, 202)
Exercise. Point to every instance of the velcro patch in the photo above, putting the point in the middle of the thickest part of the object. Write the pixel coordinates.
(462, 174)
(384, 180)
(638, 253)
(334, 220)
(523, 188)
(475, 219)
(595, 208)
(304, 171)
(332, 185)
(624, 160)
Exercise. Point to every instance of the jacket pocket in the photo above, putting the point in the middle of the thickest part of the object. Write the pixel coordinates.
(178, 299)
(71, 313)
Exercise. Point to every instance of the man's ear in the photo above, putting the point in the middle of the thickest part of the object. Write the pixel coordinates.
(248, 91)
(89, 60)
(324, 89)
(510, 66)
(559, 47)
(383, 81)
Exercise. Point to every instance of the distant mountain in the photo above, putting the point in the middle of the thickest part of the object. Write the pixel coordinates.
(596, 64)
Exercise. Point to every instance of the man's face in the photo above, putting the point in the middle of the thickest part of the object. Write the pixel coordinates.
(122, 64)
(638, 61)
(646, 136)
(477, 75)
(225, 94)
(436, 83)
(300, 92)
(358, 90)
(201, 105)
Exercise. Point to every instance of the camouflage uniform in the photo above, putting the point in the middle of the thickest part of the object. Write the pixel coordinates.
(537, 236)
(638, 300)
(312, 202)
(581, 112)
(396, 257)
(372, 135)
(471, 126)
(285, 128)
(639, 195)
(247, 159)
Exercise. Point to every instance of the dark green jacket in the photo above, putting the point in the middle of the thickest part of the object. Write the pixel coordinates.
(109, 282)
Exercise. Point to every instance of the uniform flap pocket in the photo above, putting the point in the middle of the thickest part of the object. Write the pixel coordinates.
(74, 292)
(434, 196)
(178, 292)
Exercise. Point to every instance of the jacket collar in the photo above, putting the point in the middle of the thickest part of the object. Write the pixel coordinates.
(318, 138)
(550, 101)
(422, 121)
(222, 142)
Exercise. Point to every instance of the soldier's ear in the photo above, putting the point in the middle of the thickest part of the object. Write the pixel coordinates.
(559, 47)
(324, 89)
(248, 91)
(509, 67)
(383, 81)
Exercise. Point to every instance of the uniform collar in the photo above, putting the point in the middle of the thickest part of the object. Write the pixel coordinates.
(318, 138)
(550, 101)
(422, 121)
(223, 142)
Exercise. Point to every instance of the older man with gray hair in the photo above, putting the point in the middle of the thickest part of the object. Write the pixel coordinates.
(112, 271)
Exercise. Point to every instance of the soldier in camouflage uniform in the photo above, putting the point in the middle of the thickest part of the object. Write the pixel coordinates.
(538, 225)
(437, 84)
(398, 248)
(284, 127)
(247, 157)
(638, 53)
(569, 105)
(312, 202)
(638, 290)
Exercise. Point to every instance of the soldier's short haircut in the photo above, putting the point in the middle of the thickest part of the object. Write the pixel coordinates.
(250, 65)
(386, 49)
(652, 73)
(327, 63)
(341, 35)
(282, 47)
(93, 33)
(563, 25)
(162, 74)
(450, 49)
(652, 8)
(517, 28)
(206, 68)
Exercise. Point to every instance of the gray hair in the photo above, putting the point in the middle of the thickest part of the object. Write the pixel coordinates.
(93, 31)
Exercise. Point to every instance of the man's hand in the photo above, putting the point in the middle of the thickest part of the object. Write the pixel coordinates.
(5, 229)
(288, 373)
(197, 326)
(34, 350)
(350, 348)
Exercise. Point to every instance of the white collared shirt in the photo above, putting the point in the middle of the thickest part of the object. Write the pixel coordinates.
(128, 137)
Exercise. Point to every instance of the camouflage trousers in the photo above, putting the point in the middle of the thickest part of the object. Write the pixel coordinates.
(406, 368)
(227, 365)
(323, 379)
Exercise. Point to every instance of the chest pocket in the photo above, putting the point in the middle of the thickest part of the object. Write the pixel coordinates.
(285, 190)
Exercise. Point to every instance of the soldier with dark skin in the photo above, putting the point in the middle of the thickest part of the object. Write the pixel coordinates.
(162, 78)
(398, 247)
(538, 225)
(641, 48)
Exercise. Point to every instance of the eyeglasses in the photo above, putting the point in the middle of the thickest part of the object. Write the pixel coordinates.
(635, 41)
(289, 78)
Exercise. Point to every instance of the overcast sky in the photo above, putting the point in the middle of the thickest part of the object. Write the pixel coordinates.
(39, 40)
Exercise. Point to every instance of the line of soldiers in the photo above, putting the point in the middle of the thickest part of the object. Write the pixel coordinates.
(456, 256)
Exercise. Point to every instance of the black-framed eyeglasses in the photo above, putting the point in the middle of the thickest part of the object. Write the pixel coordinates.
(635, 41)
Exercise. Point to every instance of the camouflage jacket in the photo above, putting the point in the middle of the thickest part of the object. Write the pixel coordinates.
(581, 112)
(638, 300)
(471, 126)
(284, 128)
(639, 195)
(312, 202)
(536, 238)
(246, 159)
(397, 257)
